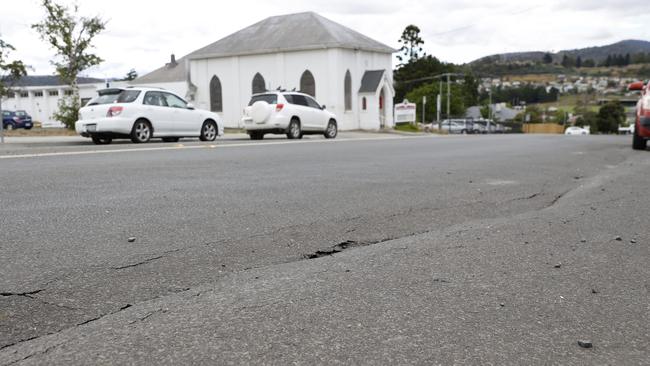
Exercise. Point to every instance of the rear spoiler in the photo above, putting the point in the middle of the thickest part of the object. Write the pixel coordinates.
(109, 91)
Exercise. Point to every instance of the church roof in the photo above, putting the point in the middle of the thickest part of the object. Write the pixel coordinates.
(292, 32)
(171, 72)
(370, 81)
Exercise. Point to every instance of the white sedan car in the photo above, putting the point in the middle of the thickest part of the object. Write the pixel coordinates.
(144, 113)
(575, 130)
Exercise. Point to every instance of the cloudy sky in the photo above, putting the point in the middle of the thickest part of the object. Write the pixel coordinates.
(141, 34)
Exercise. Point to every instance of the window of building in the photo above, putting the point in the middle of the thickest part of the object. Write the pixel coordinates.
(364, 104)
(259, 85)
(348, 91)
(11, 94)
(307, 83)
(24, 94)
(38, 93)
(68, 92)
(216, 101)
(54, 93)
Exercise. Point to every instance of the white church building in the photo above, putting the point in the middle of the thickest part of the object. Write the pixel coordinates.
(346, 71)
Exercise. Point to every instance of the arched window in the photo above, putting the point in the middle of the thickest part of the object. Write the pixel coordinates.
(216, 101)
(364, 104)
(348, 91)
(307, 83)
(259, 85)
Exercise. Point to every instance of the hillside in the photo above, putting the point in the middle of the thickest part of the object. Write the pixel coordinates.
(598, 54)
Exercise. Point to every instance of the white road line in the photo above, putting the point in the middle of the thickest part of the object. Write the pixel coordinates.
(213, 146)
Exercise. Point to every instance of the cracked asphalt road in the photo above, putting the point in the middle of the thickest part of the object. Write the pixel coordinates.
(417, 242)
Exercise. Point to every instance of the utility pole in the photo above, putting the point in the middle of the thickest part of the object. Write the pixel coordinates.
(439, 105)
(2, 125)
(448, 99)
(489, 110)
(424, 107)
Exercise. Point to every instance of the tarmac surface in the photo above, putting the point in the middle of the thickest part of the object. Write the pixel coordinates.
(369, 249)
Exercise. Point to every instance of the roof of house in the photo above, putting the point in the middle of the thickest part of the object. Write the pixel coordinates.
(292, 32)
(48, 80)
(370, 81)
(172, 72)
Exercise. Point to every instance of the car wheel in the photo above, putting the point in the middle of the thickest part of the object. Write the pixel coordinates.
(101, 140)
(208, 131)
(294, 132)
(332, 130)
(170, 139)
(141, 131)
(638, 142)
(463, 132)
(9, 127)
(256, 135)
(28, 128)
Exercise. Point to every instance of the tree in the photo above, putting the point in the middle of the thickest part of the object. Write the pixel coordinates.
(548, 58)
(70, 35)
(10, 71)
(131, 75)
(610, 116)
(578, 62)
(415, 73)
(470, 90)
(411, 45)
(566, 61)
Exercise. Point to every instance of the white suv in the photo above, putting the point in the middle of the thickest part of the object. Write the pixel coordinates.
(144, 113)
(291, 113)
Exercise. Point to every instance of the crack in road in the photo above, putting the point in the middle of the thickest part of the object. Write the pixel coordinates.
(145, 261)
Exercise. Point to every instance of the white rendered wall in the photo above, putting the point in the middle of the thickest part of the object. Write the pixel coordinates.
(328, 67)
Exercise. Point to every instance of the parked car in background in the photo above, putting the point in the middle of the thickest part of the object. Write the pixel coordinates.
(641, 132)
(575, 130)
(479, 127)
(455, 126)
(18, 119)
(291, 113)
(624, 130)
(141, 114)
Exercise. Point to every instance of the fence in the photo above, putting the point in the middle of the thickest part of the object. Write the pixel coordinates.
(543, 128)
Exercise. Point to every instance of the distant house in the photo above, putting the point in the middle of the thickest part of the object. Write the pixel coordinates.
(500, 112)
(39, 95)
(348, 72)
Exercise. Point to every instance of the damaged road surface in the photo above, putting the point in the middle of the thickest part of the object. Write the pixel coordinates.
(413, 250)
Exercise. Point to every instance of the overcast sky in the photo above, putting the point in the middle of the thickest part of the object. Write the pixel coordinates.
(141, 34)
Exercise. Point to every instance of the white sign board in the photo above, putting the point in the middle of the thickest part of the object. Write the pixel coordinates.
(404, 112)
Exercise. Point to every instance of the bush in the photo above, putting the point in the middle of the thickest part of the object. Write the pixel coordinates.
(68, 112)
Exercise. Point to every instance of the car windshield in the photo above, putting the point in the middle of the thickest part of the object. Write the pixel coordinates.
(104, 99)
(128, 96)
(269, 98)
(20, 113)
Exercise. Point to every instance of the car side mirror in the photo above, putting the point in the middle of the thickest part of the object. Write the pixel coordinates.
(636, 86)
(322, 107)
(190, 106)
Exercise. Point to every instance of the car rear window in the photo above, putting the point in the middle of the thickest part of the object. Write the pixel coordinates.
(20, 113)
(269, 98)
(128, 96)
(104, 99)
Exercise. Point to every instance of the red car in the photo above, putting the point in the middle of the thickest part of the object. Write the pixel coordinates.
(642, 124)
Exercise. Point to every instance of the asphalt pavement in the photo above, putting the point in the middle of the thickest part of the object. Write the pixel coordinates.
(369, 249)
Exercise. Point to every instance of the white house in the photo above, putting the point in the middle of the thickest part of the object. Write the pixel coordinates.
(39, 95)
(346, 71)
